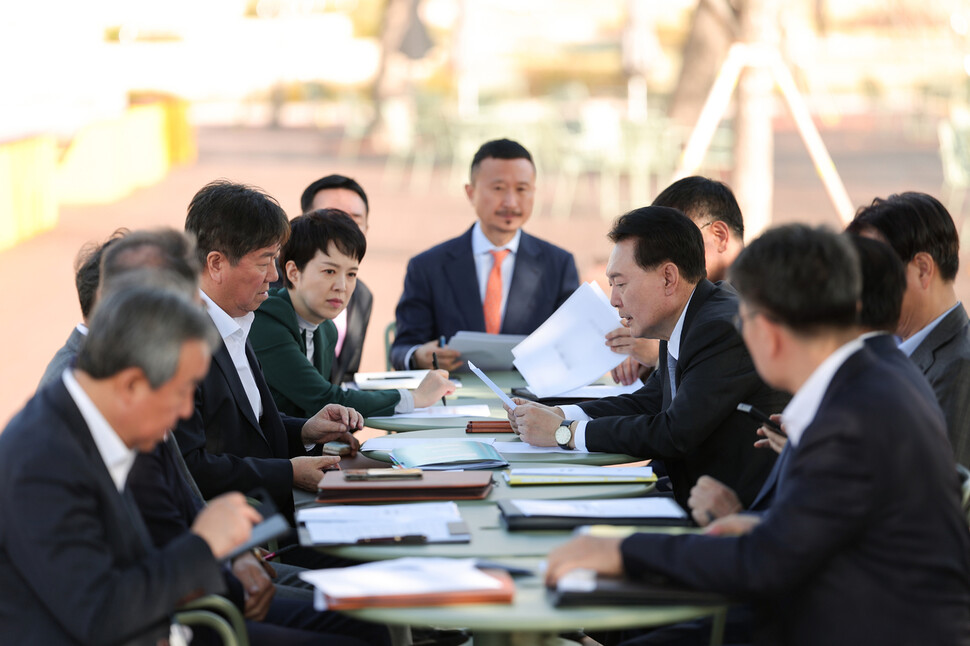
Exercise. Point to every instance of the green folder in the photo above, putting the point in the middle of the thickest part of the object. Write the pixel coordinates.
(444, 455)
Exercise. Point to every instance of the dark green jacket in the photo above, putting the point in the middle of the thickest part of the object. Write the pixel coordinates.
(299, 388)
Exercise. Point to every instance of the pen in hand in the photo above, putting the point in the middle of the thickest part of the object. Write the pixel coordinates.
(434, 364)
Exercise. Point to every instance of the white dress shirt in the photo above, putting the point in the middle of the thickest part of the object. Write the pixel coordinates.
(234, 332)
(117, 457)
(571, 411)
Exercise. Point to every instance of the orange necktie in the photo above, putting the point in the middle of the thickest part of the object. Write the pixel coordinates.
(493, 293)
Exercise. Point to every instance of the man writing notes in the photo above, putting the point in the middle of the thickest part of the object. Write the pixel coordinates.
(344, 193)
(294, 335)
(686, 412)
(493, 278)
(852, 551)
(77, 564)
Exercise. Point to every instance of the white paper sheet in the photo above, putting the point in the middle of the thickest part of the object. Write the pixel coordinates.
(346, 524)
(468, 410)
(492, 386)
(490, 351)
(595, 391)
(621, 508)
(523, 447)
(569, 350)
(391, 442)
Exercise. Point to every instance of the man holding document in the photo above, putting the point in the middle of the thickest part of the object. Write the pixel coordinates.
(686, 413)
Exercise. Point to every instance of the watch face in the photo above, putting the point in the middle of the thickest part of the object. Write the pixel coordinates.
(563, 435)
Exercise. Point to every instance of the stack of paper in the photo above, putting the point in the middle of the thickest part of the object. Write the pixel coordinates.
(579, 475)
(569, 350)
(448, 454)
(392, 380)
(408, 582)
(566, 514)
(408, 523)
(466, 410)
(489, 351)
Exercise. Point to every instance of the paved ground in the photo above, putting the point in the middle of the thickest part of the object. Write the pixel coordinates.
(873, 159)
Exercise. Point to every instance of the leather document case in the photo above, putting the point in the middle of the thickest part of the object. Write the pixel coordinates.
(503, 594)
(432, 485)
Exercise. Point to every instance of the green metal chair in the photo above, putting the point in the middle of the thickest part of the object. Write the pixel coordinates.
(217, 613)
(388, 340)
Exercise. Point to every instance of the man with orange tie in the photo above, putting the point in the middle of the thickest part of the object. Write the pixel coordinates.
(494, 278)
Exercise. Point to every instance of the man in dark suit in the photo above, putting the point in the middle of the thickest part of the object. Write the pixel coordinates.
(344, 193)
(494, 278)
(657, 273)
(883, 284)
(77, 564)
(850, 552)
(934, 327)
(237, 439)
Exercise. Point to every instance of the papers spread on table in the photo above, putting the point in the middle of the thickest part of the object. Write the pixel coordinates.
(388, 443)
(448, 454)
(468, 410)
(488, 351)
(579, 475)
(392, 380)
(566, 514)
(407, 523)
(491, 385)
(569, 350)
(408, 582)
(524, 447)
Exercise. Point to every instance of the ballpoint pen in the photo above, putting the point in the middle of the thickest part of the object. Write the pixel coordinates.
(434, 364)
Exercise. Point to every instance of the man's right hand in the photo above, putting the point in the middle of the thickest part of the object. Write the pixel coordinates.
(711, 499)
(525, 402)
(308, 470)
(773, 440)
(448, 359)
(433, 387)
(226, 523)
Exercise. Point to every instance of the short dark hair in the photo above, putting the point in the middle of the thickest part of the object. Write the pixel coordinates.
(143, 327)
(883, 283)
(805, 278)
(663, 234)
(499, 149)
(235, 220)
(331, 182)
(316, 230)
(912, 223)
(166, 249)
(87, 270)
(703, 199)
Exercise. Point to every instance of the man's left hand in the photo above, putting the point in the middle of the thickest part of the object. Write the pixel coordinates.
(602, 555)
(257, 586)
(535, 423)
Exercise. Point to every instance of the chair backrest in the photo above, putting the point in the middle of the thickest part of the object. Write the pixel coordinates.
(389, 332)
(217, 613)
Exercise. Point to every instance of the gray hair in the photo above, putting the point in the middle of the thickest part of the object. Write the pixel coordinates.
(143, 326)
(164, 248)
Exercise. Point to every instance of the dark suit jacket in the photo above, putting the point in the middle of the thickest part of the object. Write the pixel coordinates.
(852, 551)
(63, 358)
(441, 293)
(700, 432)
(358, 317)
(76, 563)
(298, 387)
(885, 349)
(226, 448)
(944, 357)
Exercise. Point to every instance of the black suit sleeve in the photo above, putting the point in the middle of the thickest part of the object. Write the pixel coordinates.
(716, 374)
(54, 530)
(216, 472)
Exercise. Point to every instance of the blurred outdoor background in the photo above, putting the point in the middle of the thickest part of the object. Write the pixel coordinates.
(113, 113)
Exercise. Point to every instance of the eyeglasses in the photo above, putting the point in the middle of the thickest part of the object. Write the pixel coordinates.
(704, 226)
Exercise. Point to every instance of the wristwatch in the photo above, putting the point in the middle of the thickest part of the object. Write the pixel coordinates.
(564, 434)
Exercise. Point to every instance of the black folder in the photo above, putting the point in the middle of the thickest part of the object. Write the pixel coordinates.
(613, 591)
(514, 519)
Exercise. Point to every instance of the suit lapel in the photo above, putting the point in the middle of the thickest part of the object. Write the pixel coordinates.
(265, 397)
(526, 280)
(459, 271)
(951, 325)
(222, 359)
(701, 293)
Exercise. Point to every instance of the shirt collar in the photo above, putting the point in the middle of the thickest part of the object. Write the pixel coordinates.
(673, 344)
(481, 244)
(227, 325)
(305, 324)
(82, 328)
(803, 407)
(909, 345)
(117, 457)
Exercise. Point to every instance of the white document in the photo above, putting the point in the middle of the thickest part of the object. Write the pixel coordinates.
(581, 472)
(389, 380)
(617, 508)
(569, 350)
(348, 524)
(525, 447)
(490, 351)
(595, 391)
(391, 442)
(468, 410)
(491, 385)
(411, 575)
